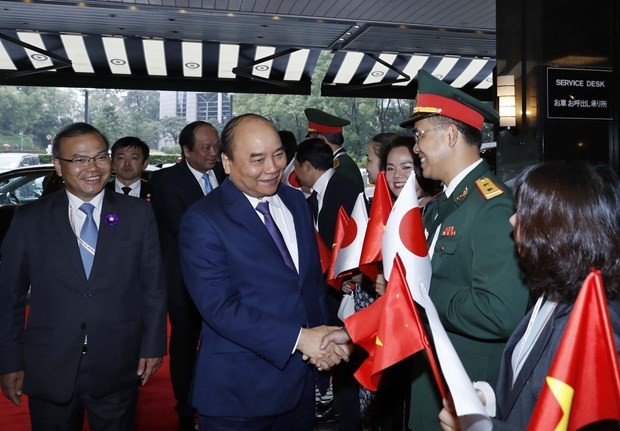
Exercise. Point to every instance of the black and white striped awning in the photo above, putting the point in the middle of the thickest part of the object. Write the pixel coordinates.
(78, 60)
(100, 61)
(358, 74)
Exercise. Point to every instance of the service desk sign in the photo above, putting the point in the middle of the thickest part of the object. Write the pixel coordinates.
(578, 93)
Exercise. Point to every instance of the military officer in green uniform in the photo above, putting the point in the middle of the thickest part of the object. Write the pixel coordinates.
(476, 284)
(329, 128)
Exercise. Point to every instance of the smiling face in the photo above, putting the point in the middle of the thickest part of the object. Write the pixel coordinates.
(433, 150)
(258, 160)
(84, 182)
(398, 168)
(206, 149)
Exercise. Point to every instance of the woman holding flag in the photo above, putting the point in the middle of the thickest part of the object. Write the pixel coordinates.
(560, 369)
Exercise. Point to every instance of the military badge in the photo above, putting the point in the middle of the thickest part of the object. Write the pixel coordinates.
(488, 188)
(448, 231)
(463, 194)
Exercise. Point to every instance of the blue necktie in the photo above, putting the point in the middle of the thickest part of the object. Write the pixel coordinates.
(208, 186)
(272, 228)
(88, 238)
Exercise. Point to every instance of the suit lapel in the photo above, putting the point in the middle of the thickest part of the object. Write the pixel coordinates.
(532, 359)
(109, 217)
(68, 239)
(239, 209)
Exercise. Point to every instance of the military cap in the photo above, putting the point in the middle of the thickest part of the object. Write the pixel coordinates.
(322, 122)
(436, 97)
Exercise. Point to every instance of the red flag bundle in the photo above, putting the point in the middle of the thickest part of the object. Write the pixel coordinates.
(583, 383)
(341, 225)
(324, 252)
(379, 212)
(389, 329)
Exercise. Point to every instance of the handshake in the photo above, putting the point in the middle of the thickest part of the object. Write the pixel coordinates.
(325, 346)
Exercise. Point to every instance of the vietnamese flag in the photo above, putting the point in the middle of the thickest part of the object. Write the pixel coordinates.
(324, 253)
(583, 383)
(389, 329)
(341, 226)
(380, 209)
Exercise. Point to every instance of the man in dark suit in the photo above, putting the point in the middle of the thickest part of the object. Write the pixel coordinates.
(328, 128)
(130, 157)
(97, 317)
(330, 191)
(251, 265)
(175, 189)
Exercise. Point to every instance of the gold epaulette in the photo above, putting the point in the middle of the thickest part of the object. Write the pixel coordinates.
(488, 188)
(336, 163)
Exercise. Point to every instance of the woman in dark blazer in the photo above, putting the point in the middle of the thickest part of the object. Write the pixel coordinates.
(567, 222)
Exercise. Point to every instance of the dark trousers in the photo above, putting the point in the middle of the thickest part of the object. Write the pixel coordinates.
(185, 323)
(301, 418)
(114, 412)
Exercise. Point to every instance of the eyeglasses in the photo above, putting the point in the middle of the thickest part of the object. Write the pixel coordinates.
(417, 134)
(81, 161)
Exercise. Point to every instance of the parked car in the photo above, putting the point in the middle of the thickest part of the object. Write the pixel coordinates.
(22, 185)
(10, 161)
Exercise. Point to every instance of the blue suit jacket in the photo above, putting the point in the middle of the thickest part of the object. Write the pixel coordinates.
(252, 304)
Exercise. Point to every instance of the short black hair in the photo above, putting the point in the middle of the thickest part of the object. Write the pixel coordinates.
(333, 138)
(131, 142)
(72, 130)
(567, 222)
(317, 152)
(289, 142)
(187, 138)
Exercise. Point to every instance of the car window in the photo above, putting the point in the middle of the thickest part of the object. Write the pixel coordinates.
(22, 189)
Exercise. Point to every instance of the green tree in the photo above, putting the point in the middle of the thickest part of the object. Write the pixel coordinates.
(170, 129)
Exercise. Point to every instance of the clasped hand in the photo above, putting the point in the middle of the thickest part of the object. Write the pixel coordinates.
(320, 352)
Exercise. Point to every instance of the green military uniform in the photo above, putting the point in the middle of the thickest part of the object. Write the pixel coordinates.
(321, 122)
(344, 164)
(476, 283)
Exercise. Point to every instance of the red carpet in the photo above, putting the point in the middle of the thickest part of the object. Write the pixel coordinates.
(155, 407)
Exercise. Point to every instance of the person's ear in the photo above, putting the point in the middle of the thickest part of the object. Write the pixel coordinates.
(453, 135)
(225, 163)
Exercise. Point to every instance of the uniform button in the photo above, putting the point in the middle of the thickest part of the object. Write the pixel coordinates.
(442, 248)
(83, 326)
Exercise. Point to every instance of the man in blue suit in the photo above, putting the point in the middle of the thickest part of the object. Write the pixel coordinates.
(250, 262)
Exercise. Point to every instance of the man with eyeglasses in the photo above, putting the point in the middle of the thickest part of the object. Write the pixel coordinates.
(476, 283)
(175, 189)
(96, 321)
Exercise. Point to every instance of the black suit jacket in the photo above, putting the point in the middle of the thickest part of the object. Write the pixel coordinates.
(145, 188)
(340, 191)
(516, 402)
(174, 190)
(121, 306)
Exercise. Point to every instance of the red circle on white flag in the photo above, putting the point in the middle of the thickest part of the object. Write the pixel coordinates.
(349, 234)
(411, 231)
